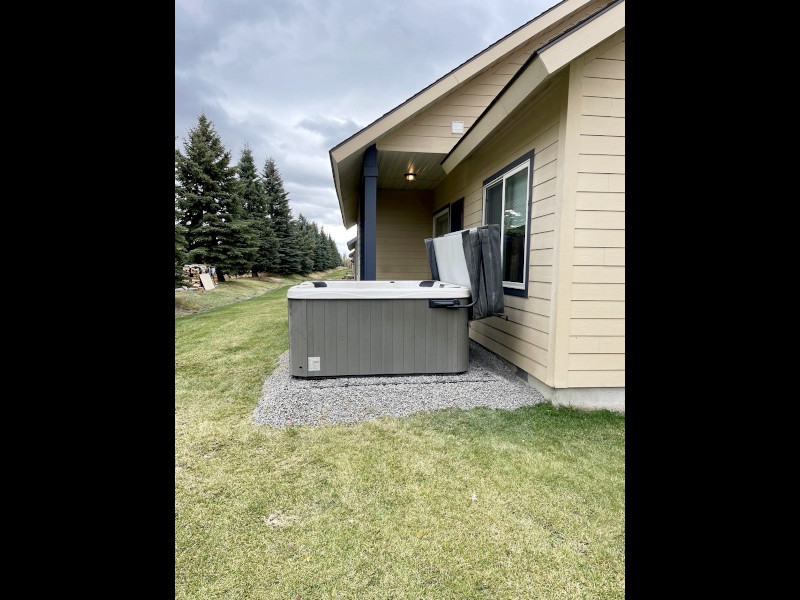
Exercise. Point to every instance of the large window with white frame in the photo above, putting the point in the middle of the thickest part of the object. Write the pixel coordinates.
(506, 202)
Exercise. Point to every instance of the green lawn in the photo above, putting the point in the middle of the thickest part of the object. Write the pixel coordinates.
(235, 290)
(446, 505)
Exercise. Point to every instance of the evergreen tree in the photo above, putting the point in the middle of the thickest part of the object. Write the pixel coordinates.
(180, 251)
(251, 189)
(306, 244)
(253, 232)
(320, 249)
(180, 237)
(207, 198)
(289, 256)
(333, 253)
(239, 247)
(267, 255)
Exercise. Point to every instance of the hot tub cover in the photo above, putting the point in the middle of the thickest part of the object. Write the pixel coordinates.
(471, 258)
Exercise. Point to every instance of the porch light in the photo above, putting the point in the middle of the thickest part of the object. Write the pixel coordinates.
(410, 176)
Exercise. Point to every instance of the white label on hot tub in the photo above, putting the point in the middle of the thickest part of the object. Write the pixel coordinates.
(313, 363)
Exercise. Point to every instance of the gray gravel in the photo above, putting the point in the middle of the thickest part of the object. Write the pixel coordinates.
(287, 400)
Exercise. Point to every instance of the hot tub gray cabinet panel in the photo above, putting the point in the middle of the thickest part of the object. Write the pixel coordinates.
(376, 337)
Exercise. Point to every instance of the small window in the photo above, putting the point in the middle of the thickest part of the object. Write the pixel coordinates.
(441, 221)
(506, 202)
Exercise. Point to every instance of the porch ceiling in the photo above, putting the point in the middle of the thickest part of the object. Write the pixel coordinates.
(392, 166)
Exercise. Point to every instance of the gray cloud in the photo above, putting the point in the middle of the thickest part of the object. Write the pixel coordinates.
(332, 130)
(293, 78)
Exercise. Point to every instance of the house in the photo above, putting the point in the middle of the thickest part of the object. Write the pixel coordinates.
(529, 134)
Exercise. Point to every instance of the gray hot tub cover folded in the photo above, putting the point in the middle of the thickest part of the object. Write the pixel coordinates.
(479, 269)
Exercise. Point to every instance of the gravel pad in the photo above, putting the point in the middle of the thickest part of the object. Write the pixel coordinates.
(489, 382)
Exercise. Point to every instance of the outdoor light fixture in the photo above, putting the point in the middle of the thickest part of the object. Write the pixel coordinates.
(410, 176)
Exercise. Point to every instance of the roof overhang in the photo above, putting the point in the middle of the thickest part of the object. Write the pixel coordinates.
(536, 73)
(352, 149)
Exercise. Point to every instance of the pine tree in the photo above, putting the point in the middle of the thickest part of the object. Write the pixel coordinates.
(289, 259)
(306, 244)
(267, 256)
(180, 250)
(254, 236)
(180, 236)
(251, 189)
(207, 197)
(333, 253)
(320, 249)
(239, 247)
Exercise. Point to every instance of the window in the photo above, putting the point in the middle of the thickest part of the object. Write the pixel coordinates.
(441, 221)
(449, 218)
(506, 202)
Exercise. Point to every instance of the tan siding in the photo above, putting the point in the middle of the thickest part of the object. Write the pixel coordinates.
(597, 327)
(404, 220)
(597, 306)
(608, 201)
(505, 332)
(599, 256)
(596, 362)
(598, 291)
(596, 379)
(595, 163)
(604, 88)
(428, 132)
(599, 237)
(544, 190)
(599, 219)
(600, 144)
(597, 345)
(542, 257)
(524, 339)
(516, 358)
(540, 208)
(594, 125)
(584, 274)
(543, 240)
(603, 107)
(616, 53)
(604, 68)
(541, 224)
(601, 182)
(540, 290)
(598, 309)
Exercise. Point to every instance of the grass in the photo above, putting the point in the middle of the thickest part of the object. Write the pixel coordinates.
(236, 290)
(446, 505)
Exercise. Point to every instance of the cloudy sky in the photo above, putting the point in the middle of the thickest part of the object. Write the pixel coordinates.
(293, 78)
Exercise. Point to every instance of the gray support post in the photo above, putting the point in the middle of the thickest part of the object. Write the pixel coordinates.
(369, 216)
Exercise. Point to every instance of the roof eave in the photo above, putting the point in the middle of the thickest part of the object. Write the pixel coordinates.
(348, 220)
(534, 75)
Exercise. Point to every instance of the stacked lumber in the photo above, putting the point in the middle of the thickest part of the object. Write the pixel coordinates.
(192, 275)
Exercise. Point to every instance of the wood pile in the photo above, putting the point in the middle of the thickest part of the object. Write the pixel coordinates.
(192, 275)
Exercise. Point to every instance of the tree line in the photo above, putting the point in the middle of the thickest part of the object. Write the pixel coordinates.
(237, 220)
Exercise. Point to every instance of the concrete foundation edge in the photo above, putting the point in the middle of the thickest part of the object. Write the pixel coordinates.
(588, 398)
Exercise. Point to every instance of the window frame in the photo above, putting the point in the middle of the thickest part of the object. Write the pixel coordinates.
(513, 288)
(438, 214)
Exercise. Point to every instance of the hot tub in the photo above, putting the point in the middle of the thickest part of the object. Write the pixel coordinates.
(339, 328)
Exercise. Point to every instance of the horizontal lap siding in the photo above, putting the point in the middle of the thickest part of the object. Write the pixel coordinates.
(524, 339)
(404, 220)
(597, 307)
(430, 131)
